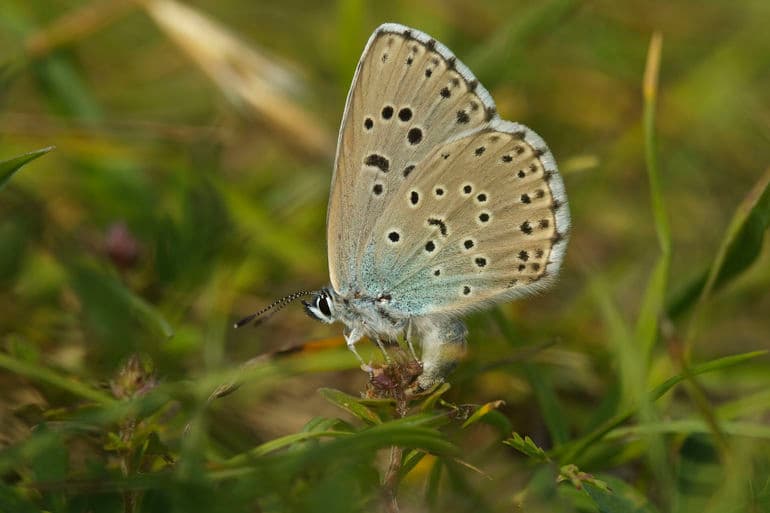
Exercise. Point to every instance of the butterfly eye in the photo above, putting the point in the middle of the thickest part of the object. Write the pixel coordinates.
(323, 305)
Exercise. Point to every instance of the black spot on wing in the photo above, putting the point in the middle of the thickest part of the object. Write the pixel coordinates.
(432, 221)
(378, 161)
(414, 136)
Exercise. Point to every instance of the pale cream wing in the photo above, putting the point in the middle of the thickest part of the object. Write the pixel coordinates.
(409, 95)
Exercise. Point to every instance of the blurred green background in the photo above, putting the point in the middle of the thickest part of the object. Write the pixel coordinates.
(188, 187)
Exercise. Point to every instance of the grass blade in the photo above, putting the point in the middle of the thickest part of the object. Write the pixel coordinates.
(53, 378)
(690, 426)
(739, 249)
(8, 168)
(553, 413)
(652, 306)
(650, 94)
(569, 453)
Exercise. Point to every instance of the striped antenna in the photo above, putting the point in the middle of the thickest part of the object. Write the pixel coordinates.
(275, 305)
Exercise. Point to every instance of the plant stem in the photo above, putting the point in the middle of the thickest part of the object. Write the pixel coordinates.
(390, 482)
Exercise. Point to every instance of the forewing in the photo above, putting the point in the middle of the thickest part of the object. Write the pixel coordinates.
(409, 95)
(483, 219)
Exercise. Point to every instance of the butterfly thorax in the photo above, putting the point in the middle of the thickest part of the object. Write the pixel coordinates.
(442, 337)
(363, 315)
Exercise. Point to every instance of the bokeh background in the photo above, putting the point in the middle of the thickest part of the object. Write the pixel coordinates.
(194, 145)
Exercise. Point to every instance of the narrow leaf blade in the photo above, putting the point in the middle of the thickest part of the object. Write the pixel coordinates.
(350, 404)
(8, 168)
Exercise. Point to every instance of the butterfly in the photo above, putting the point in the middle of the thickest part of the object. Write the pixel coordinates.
(438, 207)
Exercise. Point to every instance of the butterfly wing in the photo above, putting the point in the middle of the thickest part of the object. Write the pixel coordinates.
(483, 219)
(409, 95)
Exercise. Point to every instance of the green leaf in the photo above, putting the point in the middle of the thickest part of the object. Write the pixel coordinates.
(350, 404)
(609, 502)
(107, 301)
(527, 447)
(482, 411)
(410, 461)
(434, 481)
(321, 456)
(578, 478)
(740, 248)
(430, 402)
(609, 496)
(9, 167)
(282, 442)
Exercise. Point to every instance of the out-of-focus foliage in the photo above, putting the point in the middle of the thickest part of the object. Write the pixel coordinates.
(188, 188)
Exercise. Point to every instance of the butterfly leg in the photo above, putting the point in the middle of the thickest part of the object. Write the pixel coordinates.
(409, 336)
(381, 345)
(352, 336)
(443, 345)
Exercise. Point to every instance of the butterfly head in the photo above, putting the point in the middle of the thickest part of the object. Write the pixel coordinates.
(322, 306)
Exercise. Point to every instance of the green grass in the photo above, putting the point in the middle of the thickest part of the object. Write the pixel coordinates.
(178, 200)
